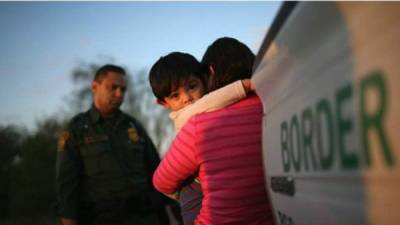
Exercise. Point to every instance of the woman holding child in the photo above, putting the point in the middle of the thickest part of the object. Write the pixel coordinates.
(214, 163)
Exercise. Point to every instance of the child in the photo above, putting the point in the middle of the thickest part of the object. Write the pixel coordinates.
(178, 81)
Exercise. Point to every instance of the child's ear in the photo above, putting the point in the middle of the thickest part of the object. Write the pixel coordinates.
(158, 101)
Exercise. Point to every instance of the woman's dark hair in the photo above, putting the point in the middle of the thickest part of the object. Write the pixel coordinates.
(231, 61)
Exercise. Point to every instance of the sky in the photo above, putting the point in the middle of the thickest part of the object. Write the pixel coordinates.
(42, 42)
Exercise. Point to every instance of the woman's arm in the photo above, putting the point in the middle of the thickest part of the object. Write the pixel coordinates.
(179, 163)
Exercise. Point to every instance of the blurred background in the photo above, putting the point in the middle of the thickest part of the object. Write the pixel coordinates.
(49, 52)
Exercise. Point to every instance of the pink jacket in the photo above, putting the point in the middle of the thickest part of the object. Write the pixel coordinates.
(224, 147)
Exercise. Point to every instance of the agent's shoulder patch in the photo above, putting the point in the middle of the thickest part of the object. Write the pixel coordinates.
(62, 139)
(133, 134)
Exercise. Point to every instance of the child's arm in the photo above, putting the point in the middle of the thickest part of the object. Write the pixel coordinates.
(222, 97)
(214, 100)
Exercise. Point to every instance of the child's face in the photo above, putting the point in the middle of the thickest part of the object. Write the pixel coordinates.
(187, 93)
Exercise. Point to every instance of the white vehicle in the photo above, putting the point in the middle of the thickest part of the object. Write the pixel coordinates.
(328, 74)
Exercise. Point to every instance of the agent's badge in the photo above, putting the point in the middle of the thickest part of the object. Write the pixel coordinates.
(133, 135)
(61, 141)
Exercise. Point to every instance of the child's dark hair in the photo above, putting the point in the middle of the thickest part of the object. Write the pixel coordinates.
(231, 60)
(172, 70)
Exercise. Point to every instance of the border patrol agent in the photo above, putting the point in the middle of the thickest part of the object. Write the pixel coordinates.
(105, 162)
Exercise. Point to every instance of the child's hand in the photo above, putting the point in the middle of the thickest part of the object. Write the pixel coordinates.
(174, 196)
(248, 85)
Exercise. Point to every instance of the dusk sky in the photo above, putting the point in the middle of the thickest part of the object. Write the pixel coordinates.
(42, 42)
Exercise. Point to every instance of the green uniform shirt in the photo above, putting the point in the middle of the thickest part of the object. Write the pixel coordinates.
(101, 160)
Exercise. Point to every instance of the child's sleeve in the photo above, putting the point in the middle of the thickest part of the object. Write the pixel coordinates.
(212, 101)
